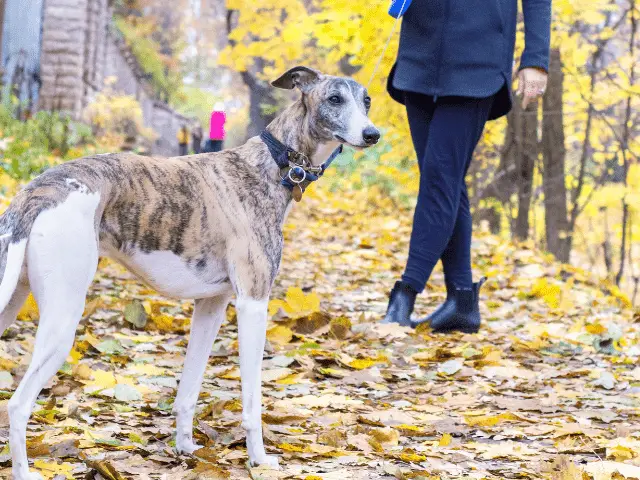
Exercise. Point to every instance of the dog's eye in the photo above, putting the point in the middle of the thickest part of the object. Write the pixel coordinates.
(335, 99)
(367, 102)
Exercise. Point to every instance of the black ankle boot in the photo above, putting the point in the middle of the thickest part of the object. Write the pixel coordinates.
(401, 301)
(460, 311)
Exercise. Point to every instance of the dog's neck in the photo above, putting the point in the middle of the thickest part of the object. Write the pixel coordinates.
(293, 128)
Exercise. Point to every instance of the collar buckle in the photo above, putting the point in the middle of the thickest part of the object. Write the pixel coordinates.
(296, 170)
(297, 158)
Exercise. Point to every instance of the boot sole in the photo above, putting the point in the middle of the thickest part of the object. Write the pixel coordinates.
(449, 330)
(463, 330)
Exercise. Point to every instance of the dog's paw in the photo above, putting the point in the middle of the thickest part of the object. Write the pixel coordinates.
(187, 447)
(266, 461)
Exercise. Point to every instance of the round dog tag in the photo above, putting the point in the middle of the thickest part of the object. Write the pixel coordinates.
(297, 193)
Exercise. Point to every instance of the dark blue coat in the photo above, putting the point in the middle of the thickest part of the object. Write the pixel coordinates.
(465, 48)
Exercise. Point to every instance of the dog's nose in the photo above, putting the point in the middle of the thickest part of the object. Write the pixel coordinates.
(371, 135)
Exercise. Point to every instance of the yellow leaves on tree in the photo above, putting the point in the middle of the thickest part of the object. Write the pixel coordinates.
(330, 34)
(281, 31)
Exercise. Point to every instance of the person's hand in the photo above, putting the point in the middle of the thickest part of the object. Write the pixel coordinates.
(532, 83)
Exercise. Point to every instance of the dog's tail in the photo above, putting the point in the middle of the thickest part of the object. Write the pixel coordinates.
(15, 259)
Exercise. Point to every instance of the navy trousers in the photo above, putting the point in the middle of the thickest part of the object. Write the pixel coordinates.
(445, 133)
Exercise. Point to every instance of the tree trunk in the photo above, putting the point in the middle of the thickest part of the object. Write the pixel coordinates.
(503, 184)
(553, 182)
(515, 172)
(262, 104)
(624, 146)
(1, 22)
(526, 122)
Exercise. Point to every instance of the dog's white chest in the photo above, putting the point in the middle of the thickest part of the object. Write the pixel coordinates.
(173, 276)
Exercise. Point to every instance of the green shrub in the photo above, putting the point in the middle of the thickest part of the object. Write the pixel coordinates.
(27, 148)
(374, 167)
(165, 79)
(197, 103)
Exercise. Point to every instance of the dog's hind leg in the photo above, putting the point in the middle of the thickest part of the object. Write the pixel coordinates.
(62, 257)
(252, 329)
(10, 312)
(208, 315)
(14, 287)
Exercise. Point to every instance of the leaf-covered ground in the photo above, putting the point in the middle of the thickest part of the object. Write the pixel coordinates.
(550, 388)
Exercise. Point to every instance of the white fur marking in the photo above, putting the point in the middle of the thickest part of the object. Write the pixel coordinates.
(252, 328)
(10, 312)
(62, 255)
(358, 122)
(286, 214)
(80, 187)
(15, 260)
(208, 315)
(323, 152)
(169, 274)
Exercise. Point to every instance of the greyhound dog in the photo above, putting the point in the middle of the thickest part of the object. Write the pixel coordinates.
(203, 227)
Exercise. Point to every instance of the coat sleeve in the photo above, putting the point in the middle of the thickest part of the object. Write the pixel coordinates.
(537, 33)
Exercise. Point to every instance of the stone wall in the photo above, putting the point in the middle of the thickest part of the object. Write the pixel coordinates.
(166, 123)
(62, 59)
(95, 47)
(80, 49)
(119, 65)
(123, 66)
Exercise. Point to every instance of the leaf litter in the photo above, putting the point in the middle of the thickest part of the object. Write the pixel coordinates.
(550, 387)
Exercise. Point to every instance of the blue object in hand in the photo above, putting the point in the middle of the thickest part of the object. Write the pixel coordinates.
(398, 7)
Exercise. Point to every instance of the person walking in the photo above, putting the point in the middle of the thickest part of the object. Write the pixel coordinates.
(196, 138)
(217, 132)
(453, 73)
(183, 141)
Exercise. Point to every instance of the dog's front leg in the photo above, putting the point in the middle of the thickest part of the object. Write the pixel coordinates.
(208, 315)
(252, 329)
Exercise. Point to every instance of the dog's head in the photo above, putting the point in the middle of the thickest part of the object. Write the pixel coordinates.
(337, 107)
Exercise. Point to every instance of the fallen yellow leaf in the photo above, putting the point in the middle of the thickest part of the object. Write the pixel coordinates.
(53, 469)
(103, 379)
(490, 420)
(29, 310)
(296, 303)
(445, 440)
(280, 335)
(83, 372)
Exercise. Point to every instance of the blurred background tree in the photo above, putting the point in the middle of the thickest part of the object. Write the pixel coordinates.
(562, 175)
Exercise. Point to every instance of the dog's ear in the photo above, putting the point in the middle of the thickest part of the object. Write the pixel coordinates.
(301, 77)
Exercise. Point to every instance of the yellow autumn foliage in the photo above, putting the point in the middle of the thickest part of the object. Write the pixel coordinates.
(116, 115)
(327, 33)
